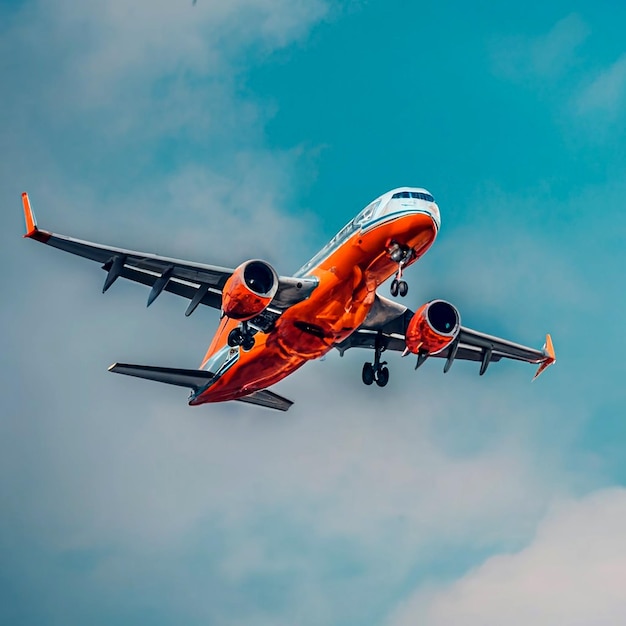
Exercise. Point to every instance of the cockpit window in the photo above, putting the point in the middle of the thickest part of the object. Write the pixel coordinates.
(414, 194)
(367, 212)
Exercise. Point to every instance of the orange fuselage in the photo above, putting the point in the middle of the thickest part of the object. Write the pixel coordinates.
(348, 277)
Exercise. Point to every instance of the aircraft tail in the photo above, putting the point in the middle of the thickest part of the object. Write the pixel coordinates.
(196, 380)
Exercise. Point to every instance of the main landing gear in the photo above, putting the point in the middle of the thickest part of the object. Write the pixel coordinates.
(401, 255)
(241, 336)
(376, 371)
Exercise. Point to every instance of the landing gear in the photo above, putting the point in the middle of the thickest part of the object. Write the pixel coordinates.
(399, 287)
(376, 371)
(402, 256)
(235, 337)
(241, 336)
(369, 374)
(248, 343)
(383, 376)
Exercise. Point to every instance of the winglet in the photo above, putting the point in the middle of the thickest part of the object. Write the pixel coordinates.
(29, 216)
(550, 357)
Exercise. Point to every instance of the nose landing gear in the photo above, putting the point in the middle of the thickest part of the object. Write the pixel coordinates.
(399, 287)
(402, 256)
(376, 371)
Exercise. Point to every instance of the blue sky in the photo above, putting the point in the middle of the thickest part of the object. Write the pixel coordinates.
(257, 128)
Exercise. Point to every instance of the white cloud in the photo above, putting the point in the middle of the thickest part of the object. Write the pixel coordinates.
(146, 482)
(117, 45)
(572, 573)
(606, 93)
(546, 56)
(140, 83)
(552, 66)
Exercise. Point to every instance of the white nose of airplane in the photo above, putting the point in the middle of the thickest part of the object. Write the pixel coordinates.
(419, 200)
(434, 213)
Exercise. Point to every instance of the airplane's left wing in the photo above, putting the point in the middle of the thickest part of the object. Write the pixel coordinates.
(388, 321)
(200, 283)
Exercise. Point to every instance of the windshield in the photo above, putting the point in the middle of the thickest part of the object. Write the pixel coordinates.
(414, 194)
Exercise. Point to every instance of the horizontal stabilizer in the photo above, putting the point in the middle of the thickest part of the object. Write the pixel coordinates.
(192, 379)
(196, 380)
(268, 399)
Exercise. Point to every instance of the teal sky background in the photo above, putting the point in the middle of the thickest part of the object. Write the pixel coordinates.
(256, 129)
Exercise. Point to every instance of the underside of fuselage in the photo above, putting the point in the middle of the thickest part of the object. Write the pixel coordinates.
(347, 277)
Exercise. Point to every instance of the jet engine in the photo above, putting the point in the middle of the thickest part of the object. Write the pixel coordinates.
(434, 326)
(249, 290)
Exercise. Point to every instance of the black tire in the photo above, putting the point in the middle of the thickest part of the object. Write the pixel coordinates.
(394, 287)
(368, 373)
(403, 288)
(235, 337)
(248, 343)
(383, 377)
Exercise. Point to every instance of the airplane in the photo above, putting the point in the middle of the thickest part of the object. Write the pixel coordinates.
(271, 325)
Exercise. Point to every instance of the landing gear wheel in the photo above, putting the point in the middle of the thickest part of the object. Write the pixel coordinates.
(248, 342)
(395, 285)
(377, 371)
(368, 373)
(382, 377)
(403, 288)
(235, 337)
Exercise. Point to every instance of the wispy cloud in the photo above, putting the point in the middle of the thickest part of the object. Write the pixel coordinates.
(545, 56)
(605, 94)
(571, 573)
(584, 92)
(225, 498)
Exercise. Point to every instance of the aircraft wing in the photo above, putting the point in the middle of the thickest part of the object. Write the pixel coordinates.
(387, 323)
(200, 283)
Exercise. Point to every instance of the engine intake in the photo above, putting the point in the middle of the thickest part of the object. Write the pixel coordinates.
(249, 291)
(434, 327)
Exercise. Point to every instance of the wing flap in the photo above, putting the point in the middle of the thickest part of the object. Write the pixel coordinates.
(186, 290)
(194, 272)
(469, 353)
(512, 350)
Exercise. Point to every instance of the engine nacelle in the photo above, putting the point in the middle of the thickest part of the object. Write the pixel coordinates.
(249, 290)
(434, 326)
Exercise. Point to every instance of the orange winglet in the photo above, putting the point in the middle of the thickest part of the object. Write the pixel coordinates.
(32, 232)
(550, 357)
(29, 216)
